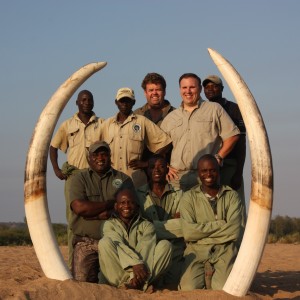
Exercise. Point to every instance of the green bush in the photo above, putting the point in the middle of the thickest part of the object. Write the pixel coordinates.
(17, 234)
(284, 230)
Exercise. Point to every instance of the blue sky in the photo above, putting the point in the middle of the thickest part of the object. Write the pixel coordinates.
(44, 42)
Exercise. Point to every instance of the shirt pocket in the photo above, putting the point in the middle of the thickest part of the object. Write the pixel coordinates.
(135, 142)
(177, 131)
(94, 196)
(73, 136)
(204, 125)
(110, 140)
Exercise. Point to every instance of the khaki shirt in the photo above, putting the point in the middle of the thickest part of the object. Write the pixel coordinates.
(76, 137)
(89, 186)
(197, 133)
(128, 140)
(144, 111)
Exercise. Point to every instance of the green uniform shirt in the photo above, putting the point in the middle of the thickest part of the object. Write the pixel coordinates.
(136, 245)
(88, 185)
(161, 211)
(202, 226)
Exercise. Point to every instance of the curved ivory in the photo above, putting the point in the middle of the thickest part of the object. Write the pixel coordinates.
(260, 205)
(35, 197)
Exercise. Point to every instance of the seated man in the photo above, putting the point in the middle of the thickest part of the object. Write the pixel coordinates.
(92, 200)
(211, 217)
(129, 254)
(159, 203)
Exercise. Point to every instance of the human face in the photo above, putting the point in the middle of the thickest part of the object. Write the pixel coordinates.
(208, 172)
(190, 91)
(155, 95)
(212, 91)
(126, 206)
(85, 103)
(99, 161)
(157, 170)
(125, 105)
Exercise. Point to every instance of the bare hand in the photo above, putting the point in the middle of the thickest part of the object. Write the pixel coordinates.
(172, 174)
(105, 215)
(176, 215)
(141, 273)
(138, 164)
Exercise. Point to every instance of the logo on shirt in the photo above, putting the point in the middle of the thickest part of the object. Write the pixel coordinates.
(136, 128)
(117, 183)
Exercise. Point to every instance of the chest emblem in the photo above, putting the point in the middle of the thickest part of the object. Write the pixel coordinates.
(117, 183)
(136, 128)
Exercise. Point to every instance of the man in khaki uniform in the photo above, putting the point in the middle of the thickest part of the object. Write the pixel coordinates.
(92, 200)
(128, 134)
(74, 137)
(196, 128)
(157, 107)
(129, 253)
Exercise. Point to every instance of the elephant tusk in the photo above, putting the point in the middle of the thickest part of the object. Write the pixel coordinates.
(261, 199)
(35, 196)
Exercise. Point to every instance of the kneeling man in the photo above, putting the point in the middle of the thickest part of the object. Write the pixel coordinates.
(212, 226)
(129, 254)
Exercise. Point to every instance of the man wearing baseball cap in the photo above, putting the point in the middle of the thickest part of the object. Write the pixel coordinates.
(128, 134)
(233, 164)
(92, 200)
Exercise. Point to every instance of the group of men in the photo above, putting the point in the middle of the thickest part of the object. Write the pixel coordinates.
(154, 196)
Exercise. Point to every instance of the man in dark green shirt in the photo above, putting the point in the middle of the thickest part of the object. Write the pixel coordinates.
(92, 200)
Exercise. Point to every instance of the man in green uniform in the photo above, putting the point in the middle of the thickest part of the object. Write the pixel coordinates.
(92, 200)
(159, 203)
(129, 254)
(211, 217)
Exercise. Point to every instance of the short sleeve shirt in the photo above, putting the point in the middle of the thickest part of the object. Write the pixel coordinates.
(197, 133)
(74, 138)
(128, 140)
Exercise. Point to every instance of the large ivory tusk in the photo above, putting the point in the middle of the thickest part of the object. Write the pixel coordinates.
(260, 206)
(36, 205)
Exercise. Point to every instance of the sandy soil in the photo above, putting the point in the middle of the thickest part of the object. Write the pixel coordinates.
(21, 277)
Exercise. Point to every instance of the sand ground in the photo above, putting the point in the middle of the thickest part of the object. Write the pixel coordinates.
(21, 277)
